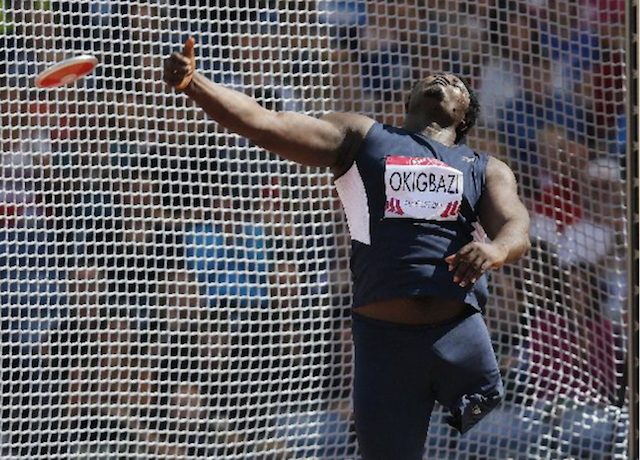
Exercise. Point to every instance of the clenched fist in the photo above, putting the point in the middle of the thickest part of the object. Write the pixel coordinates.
(180, 67)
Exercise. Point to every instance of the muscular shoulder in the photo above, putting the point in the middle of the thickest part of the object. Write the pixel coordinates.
(355, 128)
(498, 173)
(349, 121)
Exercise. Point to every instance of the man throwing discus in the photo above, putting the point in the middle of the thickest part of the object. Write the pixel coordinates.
(416, 199)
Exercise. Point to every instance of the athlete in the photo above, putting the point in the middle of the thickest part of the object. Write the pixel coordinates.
(414, 198)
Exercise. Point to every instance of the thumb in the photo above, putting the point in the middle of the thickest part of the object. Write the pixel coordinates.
(189, 50)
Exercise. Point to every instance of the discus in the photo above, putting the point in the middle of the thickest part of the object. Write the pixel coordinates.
(66, 72)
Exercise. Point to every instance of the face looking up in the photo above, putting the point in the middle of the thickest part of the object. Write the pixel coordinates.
(444, 92)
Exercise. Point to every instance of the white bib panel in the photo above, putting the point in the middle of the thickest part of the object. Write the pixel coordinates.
(422, 188)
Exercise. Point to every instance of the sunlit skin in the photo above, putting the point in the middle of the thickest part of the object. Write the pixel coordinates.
(437, 108)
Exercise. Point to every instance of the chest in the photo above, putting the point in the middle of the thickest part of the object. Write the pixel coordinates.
(410, 181)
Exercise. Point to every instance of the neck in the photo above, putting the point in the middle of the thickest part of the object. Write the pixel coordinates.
(431, 129)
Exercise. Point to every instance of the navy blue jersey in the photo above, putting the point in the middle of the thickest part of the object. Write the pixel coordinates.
(410, 202)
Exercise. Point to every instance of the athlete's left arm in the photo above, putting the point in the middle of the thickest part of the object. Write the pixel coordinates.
(506, 222)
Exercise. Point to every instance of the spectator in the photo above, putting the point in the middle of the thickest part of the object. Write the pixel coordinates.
(233, 260)
(153, 238)
(115, 386)
(28, 144)
(573, 45)
(572, 345)
(456, 37)
(28, 286)
(383, 57)
(29, 42)
(536, 105)
(580, 217)
(513, 41)
(606, 90)
(573, 359)
(499, 85)
(317, 421)
(347, 18)
(318, 432)
(557, 202)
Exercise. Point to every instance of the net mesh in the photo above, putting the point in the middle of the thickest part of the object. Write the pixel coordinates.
(169, 290)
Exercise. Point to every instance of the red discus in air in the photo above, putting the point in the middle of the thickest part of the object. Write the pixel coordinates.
(66, 72)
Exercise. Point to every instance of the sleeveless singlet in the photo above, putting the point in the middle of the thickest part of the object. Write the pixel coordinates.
(410, 202)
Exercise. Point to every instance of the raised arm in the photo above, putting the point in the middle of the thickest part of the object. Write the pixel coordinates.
(506, 222)
(307, 140)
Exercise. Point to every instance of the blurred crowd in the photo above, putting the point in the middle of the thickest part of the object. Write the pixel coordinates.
(169, 289)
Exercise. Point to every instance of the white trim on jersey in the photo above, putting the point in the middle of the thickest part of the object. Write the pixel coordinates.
(353, 196)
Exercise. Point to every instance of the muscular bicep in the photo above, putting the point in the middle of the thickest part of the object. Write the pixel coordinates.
(313, 141)
(501, 204)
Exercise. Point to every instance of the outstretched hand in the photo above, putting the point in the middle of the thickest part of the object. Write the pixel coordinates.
(179, 68)
(473, 259)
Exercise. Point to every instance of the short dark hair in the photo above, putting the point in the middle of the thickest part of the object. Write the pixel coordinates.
(471, 115)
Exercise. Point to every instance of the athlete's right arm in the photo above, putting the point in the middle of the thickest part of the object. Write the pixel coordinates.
(315, 142)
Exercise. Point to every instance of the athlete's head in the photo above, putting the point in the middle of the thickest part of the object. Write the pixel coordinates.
(447, 99)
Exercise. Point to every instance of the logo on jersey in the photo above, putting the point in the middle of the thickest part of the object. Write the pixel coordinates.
(451, 210)
(393, 207)
(422, 188)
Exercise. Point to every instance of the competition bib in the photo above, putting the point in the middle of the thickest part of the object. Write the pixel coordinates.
(422, 188)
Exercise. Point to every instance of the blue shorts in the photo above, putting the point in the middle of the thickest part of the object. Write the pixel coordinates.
(401, 370)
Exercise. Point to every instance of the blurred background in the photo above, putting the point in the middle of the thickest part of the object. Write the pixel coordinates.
(169, 290)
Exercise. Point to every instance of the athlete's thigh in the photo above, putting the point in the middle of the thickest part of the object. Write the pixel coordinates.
(392, 396)
(469, 382)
